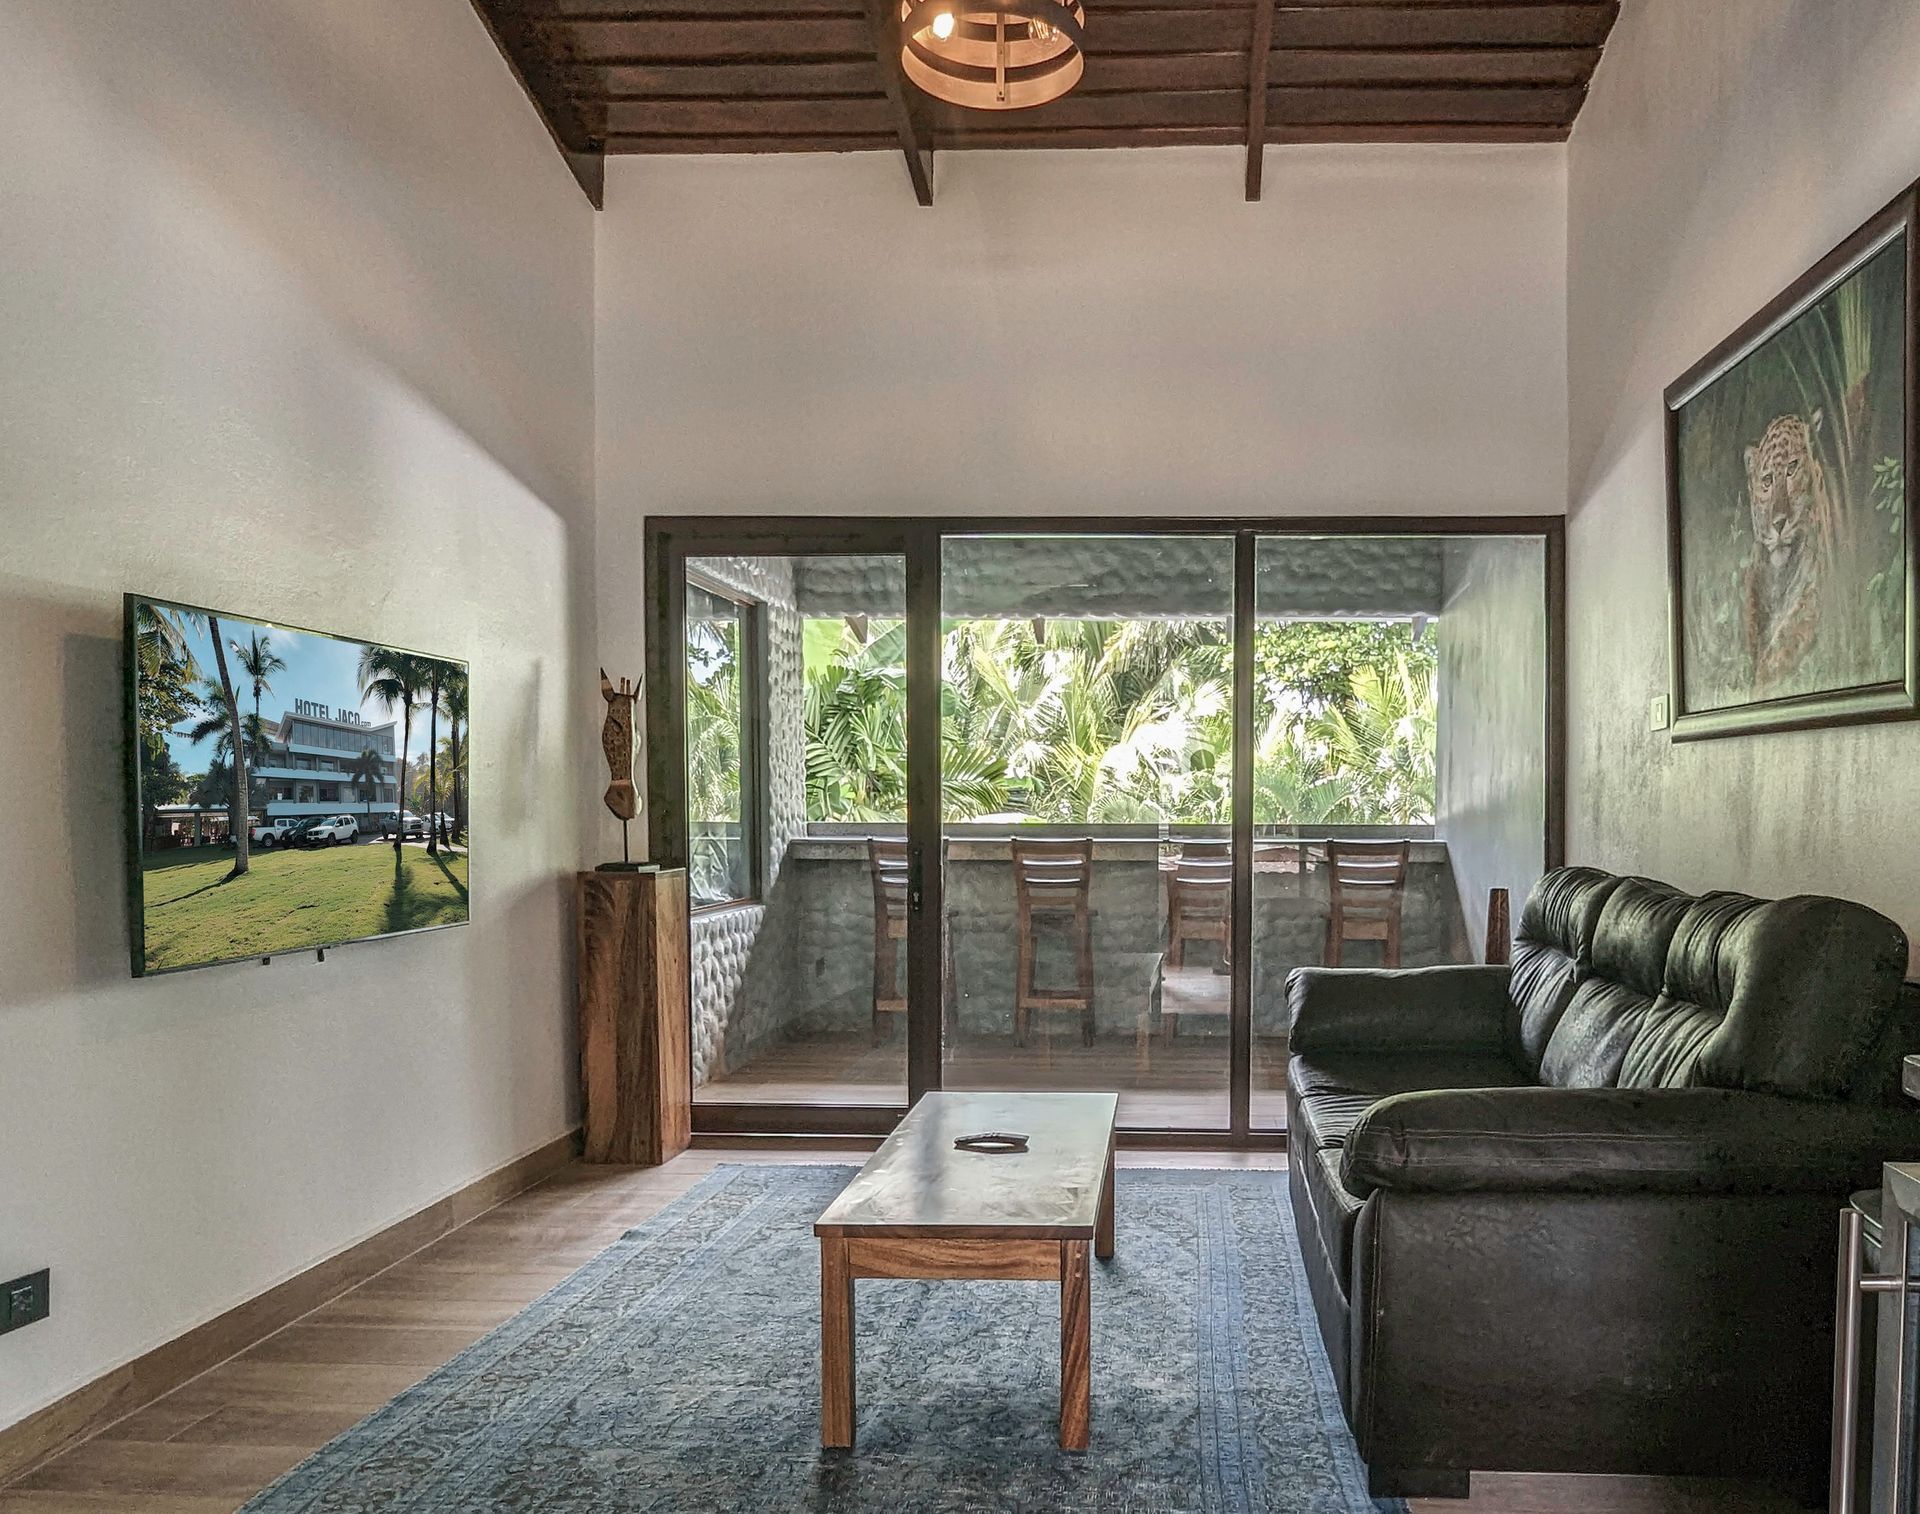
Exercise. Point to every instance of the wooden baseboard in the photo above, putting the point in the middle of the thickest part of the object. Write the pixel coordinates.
(90, 1409)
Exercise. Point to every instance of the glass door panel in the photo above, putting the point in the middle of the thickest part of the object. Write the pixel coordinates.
(1399, 757)
(796, 722)
(1086, 784)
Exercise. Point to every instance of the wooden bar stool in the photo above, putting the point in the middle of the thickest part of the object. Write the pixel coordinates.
(1053, 888)
(1199, 893)
(887, 867)
(1367, 882)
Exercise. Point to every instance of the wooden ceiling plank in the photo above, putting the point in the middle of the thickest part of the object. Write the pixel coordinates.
(692, 118)
(1224, 109)
(642, 143)
(883, 23)
(1259, 57)
(561, 11)
(1497, 65)
(689, 81)
(1436, 104)
(1415, 131)
(700, 41)
(531, 66)
(1125, 136)
(1403, 26)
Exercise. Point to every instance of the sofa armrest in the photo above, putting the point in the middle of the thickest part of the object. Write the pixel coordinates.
(1382, 1010)
(1620, 1140)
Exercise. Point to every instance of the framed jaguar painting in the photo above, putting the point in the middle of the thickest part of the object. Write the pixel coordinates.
(1790, 528)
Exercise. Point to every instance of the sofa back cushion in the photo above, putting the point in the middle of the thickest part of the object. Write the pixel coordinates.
(1625, 982)
(1552, 954)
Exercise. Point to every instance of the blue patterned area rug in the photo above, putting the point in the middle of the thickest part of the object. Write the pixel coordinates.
(678, 1371)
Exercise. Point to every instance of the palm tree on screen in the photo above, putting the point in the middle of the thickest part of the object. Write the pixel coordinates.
(395, 680)
(227, 707)
(453, 700)
(436, 672)
(259, 662)
(368, 769)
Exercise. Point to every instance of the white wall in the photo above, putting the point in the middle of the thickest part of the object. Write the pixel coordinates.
(1107, 333)
(1727, 144)
(291, 323)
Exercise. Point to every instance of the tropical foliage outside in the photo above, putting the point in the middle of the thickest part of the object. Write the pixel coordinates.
(1078, 722)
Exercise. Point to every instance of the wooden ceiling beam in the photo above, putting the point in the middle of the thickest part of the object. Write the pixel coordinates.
(1259, 59)
(883, 21)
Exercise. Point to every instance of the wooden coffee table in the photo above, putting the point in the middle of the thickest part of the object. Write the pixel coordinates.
(921, 1209)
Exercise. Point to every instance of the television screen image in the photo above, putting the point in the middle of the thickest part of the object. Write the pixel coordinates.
(289, 790)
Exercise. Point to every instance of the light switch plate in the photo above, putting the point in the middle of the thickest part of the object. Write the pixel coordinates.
(1659, 712)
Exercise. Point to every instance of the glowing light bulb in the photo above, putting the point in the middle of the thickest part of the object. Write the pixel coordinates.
(943, 25)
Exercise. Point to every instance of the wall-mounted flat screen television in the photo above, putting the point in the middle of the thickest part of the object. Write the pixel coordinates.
(288, 790)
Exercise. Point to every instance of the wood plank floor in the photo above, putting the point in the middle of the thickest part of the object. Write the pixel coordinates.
(211, 1445)
(1178, 1084)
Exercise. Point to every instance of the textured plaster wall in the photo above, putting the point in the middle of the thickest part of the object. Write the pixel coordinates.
(830, 989)
(1726, 145)
(1160, 576)
(292, 325)
(1490, 781)
(743, 955)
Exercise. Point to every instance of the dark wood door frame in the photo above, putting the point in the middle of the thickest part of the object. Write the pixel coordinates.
(670, 540)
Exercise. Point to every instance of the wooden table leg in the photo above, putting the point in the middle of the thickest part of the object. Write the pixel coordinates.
(1103, 1232)
(836, 1344)
(1076, 1341)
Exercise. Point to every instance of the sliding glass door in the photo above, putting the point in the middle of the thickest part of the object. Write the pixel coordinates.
(794, 690)
(968, 806)
(1086, 746)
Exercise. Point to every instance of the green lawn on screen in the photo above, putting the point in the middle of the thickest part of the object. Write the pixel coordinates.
(290, 900)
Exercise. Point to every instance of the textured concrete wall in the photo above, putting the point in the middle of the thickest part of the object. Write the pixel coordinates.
(827, 894)
(741, 954)
(1160, 576)
(1726, 145)
(1490, 788)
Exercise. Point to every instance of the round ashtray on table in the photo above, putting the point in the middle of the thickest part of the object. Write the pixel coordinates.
(992, 1142)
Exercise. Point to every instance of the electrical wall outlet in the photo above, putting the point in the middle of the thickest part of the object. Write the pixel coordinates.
(25, 1300)
(1659, 712)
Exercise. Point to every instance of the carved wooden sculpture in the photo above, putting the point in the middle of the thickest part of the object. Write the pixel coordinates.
(617, 741)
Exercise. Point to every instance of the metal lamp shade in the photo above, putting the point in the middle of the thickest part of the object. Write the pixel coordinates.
(1016, 54)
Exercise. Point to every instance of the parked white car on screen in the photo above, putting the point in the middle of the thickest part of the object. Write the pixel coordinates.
(333, 832)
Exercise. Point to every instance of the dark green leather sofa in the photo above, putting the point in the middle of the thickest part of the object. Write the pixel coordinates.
(1579, 1214)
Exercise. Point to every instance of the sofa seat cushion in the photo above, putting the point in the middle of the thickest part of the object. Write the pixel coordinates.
(1331, 1094)
(1377, 1077)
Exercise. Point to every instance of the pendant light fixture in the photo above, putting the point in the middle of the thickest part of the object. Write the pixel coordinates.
(993, 54)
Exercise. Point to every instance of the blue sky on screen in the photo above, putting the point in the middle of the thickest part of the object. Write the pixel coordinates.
(323, 669)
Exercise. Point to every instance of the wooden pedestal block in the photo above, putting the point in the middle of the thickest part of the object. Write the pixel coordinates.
(635, 1060)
